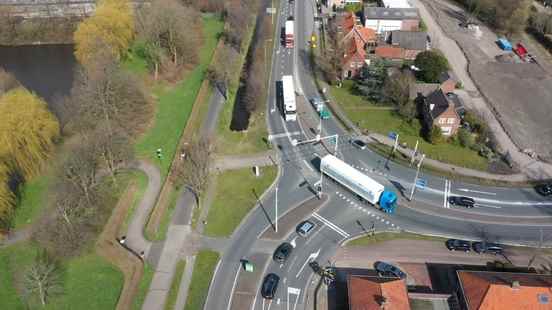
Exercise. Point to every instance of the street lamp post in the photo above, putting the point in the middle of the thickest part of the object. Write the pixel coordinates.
(276, 207)
(416, 178)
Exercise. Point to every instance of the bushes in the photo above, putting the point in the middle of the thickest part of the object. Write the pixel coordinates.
(431, 64)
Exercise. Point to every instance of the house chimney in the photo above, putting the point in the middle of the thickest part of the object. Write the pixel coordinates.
(515, 285)
(431, 106)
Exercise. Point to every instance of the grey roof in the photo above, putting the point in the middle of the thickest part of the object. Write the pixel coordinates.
(440, 101)
(391, 13)
(422, 89)
(445, 76)
(410, 40)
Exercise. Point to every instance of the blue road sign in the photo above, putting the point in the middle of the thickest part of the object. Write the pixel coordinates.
(421, 183)
(392, 135)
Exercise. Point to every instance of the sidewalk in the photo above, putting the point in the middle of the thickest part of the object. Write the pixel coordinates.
(230, 162)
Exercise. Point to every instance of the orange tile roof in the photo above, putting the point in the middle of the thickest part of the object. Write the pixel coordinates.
(367, 293)
(347, 22)
(495, 290)
(389, 52)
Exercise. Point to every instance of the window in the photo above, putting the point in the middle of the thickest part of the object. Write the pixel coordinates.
(446, 131)
(442, 120)
(450, 121)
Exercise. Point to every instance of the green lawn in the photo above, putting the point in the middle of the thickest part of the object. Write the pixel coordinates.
(235, 198)
(251, 140)
(175, 285)
(386, 236)
(143, 287)
(87, 280)
(33, 199)
(161, 233)
(204, 268)
(377, 118)
(174, 104)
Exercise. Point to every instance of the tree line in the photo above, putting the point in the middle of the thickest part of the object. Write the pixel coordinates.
(508, 17)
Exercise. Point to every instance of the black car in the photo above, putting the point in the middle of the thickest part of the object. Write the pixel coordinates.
(270, 284)
(487, 247)
(282, 252)
(467, 202)
(386, 269)
(458, 245)
(544, 189)
(358, 144)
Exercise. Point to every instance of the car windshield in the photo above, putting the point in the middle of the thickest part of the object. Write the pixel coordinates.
(306, 227)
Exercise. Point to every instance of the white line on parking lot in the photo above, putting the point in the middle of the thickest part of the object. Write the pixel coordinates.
(331, 225)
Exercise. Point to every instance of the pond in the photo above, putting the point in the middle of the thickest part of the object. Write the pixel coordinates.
(47, 70)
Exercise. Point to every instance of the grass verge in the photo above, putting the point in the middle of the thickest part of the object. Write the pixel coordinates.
(175, 285)
(251, 140)
(237, 193)
(386, 236)
(174, 104)
(161, 233)
(32, 200)
(379, 119)
(204, 268)
(143, 287)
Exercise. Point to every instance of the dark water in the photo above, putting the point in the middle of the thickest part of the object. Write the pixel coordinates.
(46, 70)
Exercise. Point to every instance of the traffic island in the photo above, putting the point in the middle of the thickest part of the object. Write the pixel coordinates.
(288, 221)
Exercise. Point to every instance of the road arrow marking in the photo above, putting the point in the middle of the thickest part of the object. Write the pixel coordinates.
(311, 257)
(293, 242)
(293, 291)
(474, 191)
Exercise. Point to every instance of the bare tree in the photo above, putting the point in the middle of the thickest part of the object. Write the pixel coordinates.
(113, 148)
(194, 170)
(42, 280)
(220, 71)
(80, 168)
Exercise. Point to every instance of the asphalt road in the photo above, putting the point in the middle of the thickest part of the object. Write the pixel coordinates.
(510, 215)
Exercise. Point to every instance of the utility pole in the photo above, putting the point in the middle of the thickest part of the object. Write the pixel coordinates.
(416, 178)
(276, 217)
(414, 154)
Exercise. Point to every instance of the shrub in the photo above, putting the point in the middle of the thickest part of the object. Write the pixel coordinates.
(465, 138)
(431, 64)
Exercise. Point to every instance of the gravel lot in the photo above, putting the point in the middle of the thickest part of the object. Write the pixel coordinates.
(519, 94)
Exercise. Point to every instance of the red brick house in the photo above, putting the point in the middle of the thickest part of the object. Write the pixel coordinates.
(442, 110)
(482, 290)
(354, 45)
(377, 293)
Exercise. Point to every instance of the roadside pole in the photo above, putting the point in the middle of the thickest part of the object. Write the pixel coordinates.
(276, 216)
(416, 178)
(414, 154)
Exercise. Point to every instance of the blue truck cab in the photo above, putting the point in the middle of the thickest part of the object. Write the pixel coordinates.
(388, 201)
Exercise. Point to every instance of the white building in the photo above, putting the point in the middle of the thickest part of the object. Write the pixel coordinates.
(384, 20)
(394, 4)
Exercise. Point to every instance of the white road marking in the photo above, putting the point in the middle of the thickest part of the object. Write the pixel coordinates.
(283, 135)
(293, 242)
(485, 206)
(307, 164)
(474, 191)
(311, 257)
(331, 225)
(293, 291)
(446, 193)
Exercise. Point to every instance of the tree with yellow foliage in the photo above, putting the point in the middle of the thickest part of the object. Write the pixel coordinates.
(27, 134)
(110, 29)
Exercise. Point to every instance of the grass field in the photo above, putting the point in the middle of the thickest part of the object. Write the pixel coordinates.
(143, 287)
(33, 197)
(174, 104)
(379, 119)
(235, 198)
(87, 280)
(175, 285)
(204, 268)
(385, 236)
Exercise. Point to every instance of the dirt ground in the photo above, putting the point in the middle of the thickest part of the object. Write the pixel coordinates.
(108, 247)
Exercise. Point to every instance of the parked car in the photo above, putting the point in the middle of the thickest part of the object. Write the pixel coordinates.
(283, 251)
(305, 227)
(386, 269)
(544, 189)
(458, 245)
(270, 284)
(358, 144)
(487, 247)
(463, 201)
